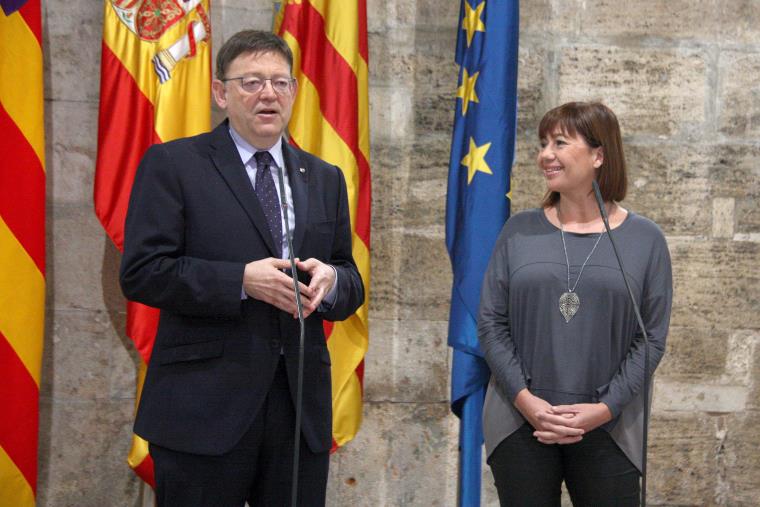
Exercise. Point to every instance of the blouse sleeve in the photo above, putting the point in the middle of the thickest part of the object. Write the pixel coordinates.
(494, 331)
(656, 302)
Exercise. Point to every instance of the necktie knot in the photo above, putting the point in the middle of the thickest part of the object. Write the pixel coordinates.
(263, 159)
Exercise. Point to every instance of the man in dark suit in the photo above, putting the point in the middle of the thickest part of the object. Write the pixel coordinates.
(205, 242)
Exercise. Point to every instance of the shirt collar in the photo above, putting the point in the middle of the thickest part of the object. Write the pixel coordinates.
(246, 150)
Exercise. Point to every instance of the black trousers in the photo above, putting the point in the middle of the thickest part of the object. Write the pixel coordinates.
(258, 470)
(595, 470)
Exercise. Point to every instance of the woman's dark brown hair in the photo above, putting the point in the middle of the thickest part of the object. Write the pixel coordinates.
(598, 125)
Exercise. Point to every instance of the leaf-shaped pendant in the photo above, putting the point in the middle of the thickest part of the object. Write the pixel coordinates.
(569, 302)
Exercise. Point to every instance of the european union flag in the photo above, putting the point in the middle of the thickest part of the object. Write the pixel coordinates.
(477, 202)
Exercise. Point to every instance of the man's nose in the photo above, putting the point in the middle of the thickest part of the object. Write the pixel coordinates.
(268, 89)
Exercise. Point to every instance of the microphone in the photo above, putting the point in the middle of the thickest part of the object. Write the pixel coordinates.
(301, 338)
(603, 212)
(602, 207)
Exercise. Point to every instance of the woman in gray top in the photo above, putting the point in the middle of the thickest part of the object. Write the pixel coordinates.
(559, 332)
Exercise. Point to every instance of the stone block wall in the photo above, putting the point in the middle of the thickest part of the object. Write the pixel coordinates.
(683, 79)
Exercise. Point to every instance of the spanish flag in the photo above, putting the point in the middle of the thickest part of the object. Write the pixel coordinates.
(331, 120)
(22, 246)
(155, 86)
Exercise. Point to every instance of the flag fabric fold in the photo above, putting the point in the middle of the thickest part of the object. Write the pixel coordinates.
(478, 203)
(22, 246)
(155, 86)
(331, 120)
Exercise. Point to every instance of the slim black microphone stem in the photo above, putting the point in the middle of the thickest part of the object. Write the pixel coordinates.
(603, 211)
(299, 383)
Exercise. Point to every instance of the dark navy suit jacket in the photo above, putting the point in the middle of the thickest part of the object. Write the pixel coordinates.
(193, 223)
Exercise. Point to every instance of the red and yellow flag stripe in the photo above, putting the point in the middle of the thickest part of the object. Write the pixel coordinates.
(155, 86)
(331, 120)
(22, 246)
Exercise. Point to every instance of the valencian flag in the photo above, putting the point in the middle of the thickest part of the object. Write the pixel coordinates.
(155, 86)
(477, 203)
(331, 120)
(22, 247)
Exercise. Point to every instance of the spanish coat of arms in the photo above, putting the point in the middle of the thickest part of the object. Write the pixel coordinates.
(150, 19)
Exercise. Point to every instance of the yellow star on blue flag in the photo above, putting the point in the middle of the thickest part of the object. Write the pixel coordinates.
(475, 160)
(466, 90)
(471, 21)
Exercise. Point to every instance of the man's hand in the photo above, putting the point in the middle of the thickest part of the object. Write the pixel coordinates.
(265, 281)
(322, 280)
(550, 428)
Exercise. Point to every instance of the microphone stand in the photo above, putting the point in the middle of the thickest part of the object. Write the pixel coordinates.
(301, 338)
(603, 212)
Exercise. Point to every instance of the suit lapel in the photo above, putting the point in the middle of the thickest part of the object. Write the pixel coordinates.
(226, 158)
(298, 177)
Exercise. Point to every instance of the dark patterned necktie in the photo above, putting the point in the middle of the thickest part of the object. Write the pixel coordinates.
(267, 194)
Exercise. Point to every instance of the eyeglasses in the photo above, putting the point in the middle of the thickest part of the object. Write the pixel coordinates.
(280, 85)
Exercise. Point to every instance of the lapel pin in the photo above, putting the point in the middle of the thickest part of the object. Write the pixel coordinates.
(302, 170)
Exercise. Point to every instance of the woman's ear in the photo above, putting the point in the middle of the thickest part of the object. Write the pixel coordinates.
(598, 157)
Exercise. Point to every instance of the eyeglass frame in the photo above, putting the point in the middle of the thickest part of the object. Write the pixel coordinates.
(291, 84)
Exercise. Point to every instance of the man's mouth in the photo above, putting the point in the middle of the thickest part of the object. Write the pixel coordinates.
(266, 112)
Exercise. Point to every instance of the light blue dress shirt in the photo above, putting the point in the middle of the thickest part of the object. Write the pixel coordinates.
(247, 152)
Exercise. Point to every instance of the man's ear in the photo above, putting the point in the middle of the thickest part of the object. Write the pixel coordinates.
(219, 92)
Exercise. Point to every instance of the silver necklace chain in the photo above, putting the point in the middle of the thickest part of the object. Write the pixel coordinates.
(569, 302)
(567, 260)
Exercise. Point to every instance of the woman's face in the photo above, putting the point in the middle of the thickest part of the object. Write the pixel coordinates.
(567, 162)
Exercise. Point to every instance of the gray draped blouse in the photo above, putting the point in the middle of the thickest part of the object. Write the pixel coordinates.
(596, 357)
